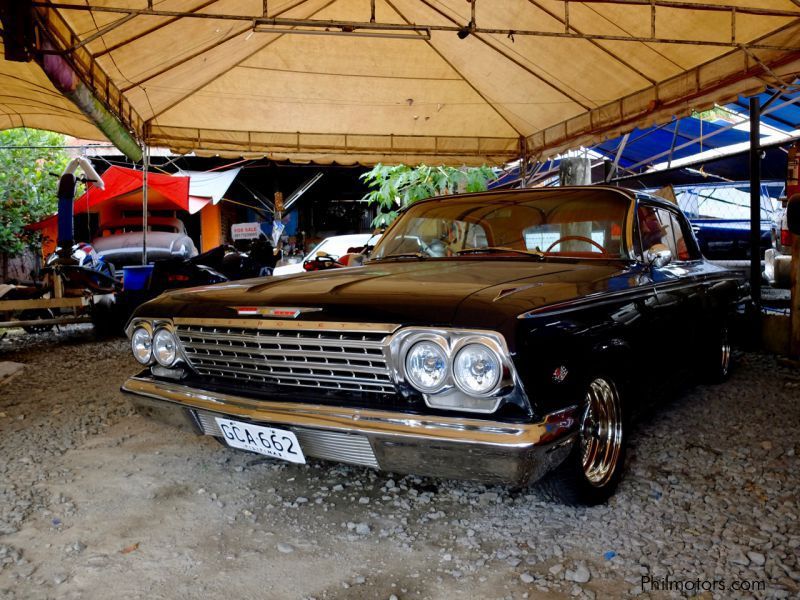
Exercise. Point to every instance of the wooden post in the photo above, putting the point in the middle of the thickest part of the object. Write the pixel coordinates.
(794, 339)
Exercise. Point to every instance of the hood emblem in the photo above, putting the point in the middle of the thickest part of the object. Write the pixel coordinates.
(278, 312)
(560, 374)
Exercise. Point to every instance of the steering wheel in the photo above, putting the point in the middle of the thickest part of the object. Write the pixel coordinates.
(579, 238)
(436, 249)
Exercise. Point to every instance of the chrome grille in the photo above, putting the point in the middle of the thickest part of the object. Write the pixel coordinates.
(329, 445)
(319, 358)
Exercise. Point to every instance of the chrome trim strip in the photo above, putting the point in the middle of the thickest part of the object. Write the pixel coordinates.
(700, 280)
(286, 324)
(599, 299)
(603, 298)
(353, 420)
(283, 339)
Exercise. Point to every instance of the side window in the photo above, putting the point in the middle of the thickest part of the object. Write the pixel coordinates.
(654, 226)
(662, 226)
(683, 244)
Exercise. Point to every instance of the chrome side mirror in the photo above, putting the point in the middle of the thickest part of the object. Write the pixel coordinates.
(658, 255)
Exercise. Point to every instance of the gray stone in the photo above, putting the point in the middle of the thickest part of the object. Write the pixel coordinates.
(285, 548)
(362, 529)
(579, 575)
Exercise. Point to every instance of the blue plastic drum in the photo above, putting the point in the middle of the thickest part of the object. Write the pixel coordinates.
(136, 277)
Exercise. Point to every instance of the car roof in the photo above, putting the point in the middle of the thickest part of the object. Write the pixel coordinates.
(627, 193)
(657, 200)
(349, 236)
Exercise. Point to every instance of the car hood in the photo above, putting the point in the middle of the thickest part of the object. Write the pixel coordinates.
(449, 292)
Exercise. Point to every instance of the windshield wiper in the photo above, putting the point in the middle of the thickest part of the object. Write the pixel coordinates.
(499, 250)
(417, 255)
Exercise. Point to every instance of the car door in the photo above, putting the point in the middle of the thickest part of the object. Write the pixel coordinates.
(679, 283)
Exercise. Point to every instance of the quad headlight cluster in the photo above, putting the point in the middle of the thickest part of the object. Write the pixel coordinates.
(154, 344)
(455, 370)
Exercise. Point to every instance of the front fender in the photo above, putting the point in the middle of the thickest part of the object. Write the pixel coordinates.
(558, 355)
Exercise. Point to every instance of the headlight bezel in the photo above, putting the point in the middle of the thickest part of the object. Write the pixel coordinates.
(439, 342)
(144, 327)
(493, 349)
(450, 396)
(164, 330)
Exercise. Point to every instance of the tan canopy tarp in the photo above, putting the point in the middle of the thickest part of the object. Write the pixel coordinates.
(535, 76)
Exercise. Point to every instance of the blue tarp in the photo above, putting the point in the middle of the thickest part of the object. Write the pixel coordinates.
(643, 144)
(786, 117)
(652, 145)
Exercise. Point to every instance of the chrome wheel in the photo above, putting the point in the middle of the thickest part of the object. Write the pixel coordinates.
(601, 432)
(725, 352)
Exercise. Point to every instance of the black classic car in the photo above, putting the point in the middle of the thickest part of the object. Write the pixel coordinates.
(499, 336)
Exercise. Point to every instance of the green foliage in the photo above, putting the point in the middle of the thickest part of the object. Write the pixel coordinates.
(27, 190)
(395, 187)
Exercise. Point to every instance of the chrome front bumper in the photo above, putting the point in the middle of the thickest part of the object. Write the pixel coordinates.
(446, 447)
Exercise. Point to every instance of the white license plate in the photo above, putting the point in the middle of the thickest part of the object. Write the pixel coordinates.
(278, 443)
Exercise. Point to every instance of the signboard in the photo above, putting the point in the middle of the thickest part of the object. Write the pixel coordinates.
(245, 231)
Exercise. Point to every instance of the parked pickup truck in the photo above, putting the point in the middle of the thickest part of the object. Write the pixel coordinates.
(729, 239)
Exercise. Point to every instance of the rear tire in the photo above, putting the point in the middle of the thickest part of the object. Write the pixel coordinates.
(593, 469)
(716, 364)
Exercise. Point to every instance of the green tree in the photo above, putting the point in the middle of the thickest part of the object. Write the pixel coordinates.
(396, 186)
(27, 188)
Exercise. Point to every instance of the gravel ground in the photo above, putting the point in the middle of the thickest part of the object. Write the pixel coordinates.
(94, 498)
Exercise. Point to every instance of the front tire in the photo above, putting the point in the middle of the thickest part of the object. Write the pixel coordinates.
(593, 469)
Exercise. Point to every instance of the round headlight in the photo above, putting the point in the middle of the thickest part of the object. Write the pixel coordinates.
(142, 345)
(426, 366)
(165, 348)
(476, 369)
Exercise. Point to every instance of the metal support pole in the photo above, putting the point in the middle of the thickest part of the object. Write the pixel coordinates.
(145, 168)
(613, 171)
(672, 145)
(755, 200)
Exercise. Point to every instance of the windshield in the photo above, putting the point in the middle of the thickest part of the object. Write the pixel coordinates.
(571, 223)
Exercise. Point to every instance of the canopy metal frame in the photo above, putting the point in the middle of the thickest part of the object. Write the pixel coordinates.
(334, 27)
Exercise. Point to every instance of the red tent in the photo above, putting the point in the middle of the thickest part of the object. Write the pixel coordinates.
(123, 191)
